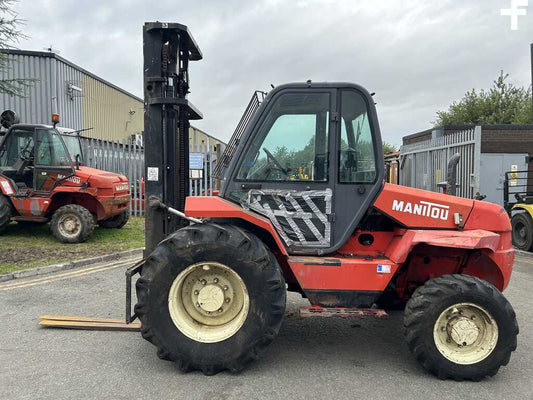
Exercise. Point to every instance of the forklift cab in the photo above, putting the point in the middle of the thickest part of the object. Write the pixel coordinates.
(34, 157)
(310, 161)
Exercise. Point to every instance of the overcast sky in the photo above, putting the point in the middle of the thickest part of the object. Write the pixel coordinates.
(417, 56)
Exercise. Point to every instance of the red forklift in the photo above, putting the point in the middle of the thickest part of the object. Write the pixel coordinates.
(303, 207)
(42, 180)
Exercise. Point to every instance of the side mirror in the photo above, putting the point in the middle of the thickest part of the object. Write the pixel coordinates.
(77, 161)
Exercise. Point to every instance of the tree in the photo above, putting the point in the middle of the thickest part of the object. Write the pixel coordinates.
(389, 147)
(10, 34)
(503, 103)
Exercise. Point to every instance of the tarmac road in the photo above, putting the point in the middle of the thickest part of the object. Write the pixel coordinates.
(312, 358)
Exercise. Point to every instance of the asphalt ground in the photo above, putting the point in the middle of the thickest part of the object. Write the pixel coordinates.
(312, 358)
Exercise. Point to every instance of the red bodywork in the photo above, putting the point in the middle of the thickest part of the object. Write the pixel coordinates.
(425, 243)
(104, 194)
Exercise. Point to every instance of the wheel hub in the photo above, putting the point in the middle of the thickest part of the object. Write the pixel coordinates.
(463, 331)
(70, 225)
(211, 298)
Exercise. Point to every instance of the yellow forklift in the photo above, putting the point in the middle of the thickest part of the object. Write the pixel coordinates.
(518, 202)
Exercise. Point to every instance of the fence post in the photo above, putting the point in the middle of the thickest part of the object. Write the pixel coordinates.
(477, 158)
(135, 183)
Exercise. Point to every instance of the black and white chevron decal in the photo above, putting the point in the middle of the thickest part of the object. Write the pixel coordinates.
(300, 218)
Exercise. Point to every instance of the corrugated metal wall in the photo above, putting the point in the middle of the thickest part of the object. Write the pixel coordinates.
(111, 113)
(69, 102)
(28, 109)
(47, 92)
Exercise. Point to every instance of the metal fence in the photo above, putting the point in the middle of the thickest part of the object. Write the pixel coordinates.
(127, 159)
(423, 165)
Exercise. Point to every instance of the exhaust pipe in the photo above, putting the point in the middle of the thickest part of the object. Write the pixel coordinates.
(451, 175)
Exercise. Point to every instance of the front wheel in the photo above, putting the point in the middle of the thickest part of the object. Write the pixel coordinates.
(211, 297)
(522, 226)
(460, 327)
(116, 222)
(72, 224)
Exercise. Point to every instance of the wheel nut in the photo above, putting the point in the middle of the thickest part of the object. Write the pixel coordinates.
(448, 340)
(226, 288)
(443, 328)
(220, 309)
(196, 292)
(197, 304)
(204, 282)
(215, 280)
(227, 300)
(473, 317)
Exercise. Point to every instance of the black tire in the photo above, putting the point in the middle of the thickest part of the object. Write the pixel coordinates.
(247, 256)
(116, 222)
(6, 212)
(82, 218)
(437, 295)
(522, 225)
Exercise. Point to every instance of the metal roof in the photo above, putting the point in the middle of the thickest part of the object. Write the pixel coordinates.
(48, 54)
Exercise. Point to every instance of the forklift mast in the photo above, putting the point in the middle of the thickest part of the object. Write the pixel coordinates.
(168, 48)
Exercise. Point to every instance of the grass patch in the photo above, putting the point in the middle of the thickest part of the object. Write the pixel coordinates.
(33, 245)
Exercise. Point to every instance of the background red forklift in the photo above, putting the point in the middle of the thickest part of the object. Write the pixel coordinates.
(41, 181)
(303, 207)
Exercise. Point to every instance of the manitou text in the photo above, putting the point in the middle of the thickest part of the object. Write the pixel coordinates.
(423, 208)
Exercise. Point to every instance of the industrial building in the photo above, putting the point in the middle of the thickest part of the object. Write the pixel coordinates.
(82, 99)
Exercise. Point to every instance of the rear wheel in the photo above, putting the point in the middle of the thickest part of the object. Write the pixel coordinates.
(211, 297)
(72, 224)
(460, 327)
(6, 212)
(522, 225)
(116, 222)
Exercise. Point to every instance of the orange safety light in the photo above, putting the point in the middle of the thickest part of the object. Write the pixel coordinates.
(55, 118)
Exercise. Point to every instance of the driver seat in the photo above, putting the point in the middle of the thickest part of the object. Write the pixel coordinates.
(20, 165)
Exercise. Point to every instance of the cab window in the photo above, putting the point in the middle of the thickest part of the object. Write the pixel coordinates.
(50, 149)
(17, 145)
(357, 160)
(292, 142)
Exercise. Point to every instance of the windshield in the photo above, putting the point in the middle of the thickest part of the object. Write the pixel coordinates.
(73, 146)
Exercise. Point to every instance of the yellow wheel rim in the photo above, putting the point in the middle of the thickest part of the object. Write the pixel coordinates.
(208, 302)
(465, 333)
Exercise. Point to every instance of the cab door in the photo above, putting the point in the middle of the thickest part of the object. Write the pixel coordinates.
(52, 161)
(359, 166)
(287, 169)
(283, 170)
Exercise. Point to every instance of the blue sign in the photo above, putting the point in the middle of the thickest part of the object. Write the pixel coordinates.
(196, 161)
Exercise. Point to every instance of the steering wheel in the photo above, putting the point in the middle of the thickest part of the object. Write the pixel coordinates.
(26, 153)
(272, 159)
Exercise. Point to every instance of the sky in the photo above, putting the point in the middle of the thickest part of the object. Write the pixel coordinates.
(417, 56)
